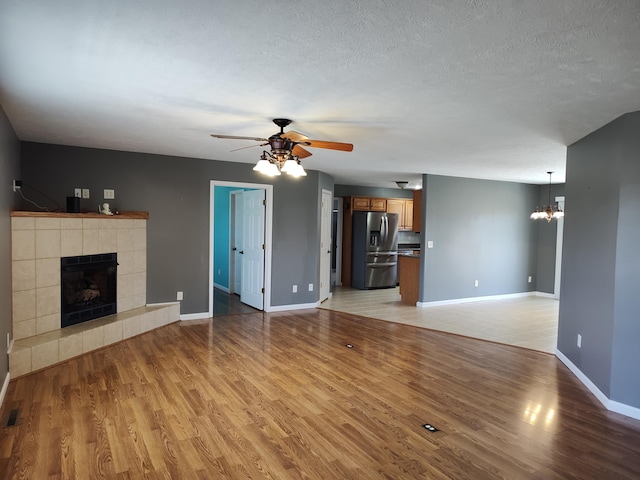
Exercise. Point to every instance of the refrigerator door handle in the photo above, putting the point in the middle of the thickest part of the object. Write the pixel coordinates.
(381, 265)
(384, 229)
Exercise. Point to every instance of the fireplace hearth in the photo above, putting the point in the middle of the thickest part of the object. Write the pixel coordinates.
(88, 286)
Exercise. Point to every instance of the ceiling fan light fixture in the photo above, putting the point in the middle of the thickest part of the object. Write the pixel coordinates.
(289, 166)
(273, 170)
(297, 170)
(263, 165)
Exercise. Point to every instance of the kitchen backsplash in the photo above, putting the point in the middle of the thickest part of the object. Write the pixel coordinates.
(408, 237)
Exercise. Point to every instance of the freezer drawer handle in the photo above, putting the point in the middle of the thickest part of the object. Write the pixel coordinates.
(390, 264)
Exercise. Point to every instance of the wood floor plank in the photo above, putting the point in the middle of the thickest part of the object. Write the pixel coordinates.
(281, 396)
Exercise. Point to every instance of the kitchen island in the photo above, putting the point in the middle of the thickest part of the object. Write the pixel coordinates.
(409, 277)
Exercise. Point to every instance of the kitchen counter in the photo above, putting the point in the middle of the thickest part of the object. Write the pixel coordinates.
(409, 277)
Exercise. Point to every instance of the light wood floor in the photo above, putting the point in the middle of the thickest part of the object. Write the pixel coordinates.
(281, 396)
(529, 322)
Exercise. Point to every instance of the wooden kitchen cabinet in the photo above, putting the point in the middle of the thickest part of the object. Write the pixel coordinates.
(404, 209)
(417, 211)
(370, 204)
(409, 278)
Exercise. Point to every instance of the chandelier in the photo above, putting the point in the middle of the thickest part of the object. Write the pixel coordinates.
(549, 210)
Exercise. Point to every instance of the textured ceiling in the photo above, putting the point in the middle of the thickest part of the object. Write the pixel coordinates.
(491, 90)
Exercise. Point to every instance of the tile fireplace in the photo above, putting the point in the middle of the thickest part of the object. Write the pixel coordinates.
(49, 251)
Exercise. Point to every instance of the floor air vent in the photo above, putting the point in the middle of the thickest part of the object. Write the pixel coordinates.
(13, 418)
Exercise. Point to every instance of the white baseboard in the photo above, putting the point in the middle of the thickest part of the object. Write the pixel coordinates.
(544, 294)
(195, 316)
(476, 299)
(611, 405)
(220, 287)
(299, 306)
(5, 385)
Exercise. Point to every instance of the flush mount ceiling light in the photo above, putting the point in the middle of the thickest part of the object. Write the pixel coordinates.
(549, 210)
(286, 150)
(402, 184)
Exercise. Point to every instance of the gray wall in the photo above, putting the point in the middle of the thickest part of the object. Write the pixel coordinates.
(600, 275)
(9, 170)
(481, 231)
(175, 191)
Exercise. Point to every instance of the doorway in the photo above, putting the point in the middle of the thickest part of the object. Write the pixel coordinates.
(336, 243)
(326, 251)
(257, 234)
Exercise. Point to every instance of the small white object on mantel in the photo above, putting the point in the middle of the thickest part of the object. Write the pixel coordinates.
(106, 209)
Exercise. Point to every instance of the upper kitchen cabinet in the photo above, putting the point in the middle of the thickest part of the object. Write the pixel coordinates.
(370, 204)
(404, 209)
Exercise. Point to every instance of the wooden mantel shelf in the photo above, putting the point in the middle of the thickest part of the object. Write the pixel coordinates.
(121, 215)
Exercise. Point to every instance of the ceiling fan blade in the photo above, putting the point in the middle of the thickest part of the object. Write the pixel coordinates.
(300, 152)
(294, 136)
(250, 146)
(235, 137)
(307, 142)
(345, 147)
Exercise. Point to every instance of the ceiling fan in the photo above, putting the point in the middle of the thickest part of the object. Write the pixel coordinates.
(287, 148)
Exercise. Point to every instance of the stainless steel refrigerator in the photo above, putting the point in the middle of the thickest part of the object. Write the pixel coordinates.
(375, 250)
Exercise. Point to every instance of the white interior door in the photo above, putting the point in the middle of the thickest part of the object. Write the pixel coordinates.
(325, 245)
(235, 267)
(253, 248)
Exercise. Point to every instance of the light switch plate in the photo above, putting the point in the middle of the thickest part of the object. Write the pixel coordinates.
(109, 194)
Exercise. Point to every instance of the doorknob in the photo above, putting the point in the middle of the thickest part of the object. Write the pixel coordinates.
(241, 252)
(234, 249)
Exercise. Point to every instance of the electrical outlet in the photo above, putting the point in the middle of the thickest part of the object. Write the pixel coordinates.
(77, 192)
(16, 185)
(109, 194)
(311, 287)
(179, 296)
(529, 279)
(295, 289)
(430, 244)
(85, 193)
(579, 341)
(475, 284)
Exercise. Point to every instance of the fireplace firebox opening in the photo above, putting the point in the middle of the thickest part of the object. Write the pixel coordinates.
(88, 287)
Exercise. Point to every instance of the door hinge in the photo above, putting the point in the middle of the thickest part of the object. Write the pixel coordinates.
(263, 246)
(262, 289)
(264, 202)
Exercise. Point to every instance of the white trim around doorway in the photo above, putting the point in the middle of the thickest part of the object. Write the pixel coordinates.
(268, 234)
